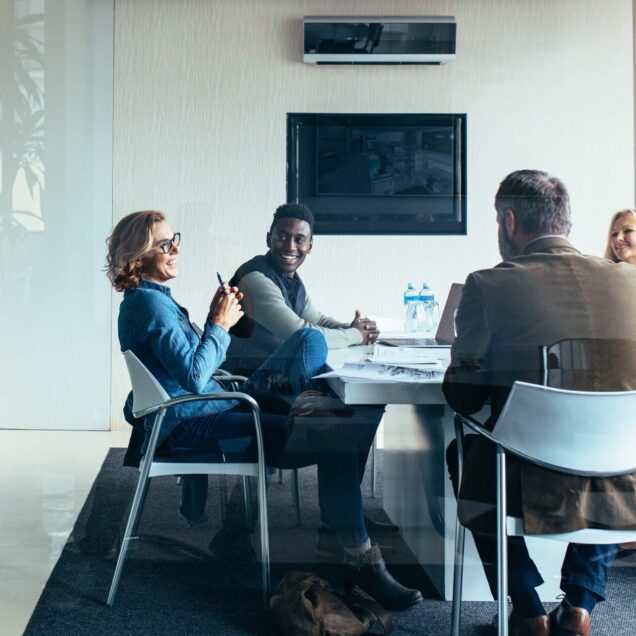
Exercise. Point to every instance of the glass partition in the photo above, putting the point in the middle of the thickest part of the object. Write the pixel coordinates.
(56, 96)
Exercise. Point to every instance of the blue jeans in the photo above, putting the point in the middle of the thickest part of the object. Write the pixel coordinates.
(340, 471)
(296, 361)
(232, 433)
(585, 565)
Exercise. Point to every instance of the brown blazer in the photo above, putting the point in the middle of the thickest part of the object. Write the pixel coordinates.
(548, 293)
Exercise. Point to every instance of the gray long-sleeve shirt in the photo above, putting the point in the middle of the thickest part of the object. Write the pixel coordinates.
(267, 307)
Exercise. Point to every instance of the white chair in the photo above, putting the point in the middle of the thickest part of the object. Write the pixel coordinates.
(149, 398)
(575, 432)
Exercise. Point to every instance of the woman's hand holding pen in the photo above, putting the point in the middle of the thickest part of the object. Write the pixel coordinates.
(367, 328)
(225, 310)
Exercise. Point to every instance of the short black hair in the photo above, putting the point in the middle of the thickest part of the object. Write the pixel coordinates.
(293, 211)
(539, 200)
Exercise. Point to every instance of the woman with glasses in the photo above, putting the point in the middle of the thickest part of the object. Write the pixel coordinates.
(143, 255)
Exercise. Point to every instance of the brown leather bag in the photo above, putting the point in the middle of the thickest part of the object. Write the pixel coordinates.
(306, 605)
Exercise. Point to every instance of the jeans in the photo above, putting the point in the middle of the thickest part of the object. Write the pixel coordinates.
(296, 361)
(585, 565)
(231, 432)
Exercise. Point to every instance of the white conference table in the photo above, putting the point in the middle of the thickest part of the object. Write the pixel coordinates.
(417, 492)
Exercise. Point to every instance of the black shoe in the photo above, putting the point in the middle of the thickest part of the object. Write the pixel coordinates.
(380, 527)
(369, 572)
(312, 403)
(194, 522)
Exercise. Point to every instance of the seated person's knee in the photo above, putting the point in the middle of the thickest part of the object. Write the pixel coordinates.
(312, 337)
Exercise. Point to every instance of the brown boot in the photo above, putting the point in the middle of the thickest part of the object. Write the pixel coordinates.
(369, 572)
(570, 621)
(536, 626)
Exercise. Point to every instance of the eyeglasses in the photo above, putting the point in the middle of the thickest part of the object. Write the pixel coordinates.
(166, 245)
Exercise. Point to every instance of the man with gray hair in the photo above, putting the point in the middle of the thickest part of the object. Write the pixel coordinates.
(543, 292)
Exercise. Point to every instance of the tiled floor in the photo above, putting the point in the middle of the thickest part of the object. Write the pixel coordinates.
(45, 477)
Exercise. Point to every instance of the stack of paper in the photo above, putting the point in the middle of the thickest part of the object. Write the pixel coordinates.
(388, 372)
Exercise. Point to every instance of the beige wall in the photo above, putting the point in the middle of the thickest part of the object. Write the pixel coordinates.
(202, 89)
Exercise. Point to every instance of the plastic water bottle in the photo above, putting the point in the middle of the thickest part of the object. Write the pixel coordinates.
(411, 298)
(430, 309)
(426, 293)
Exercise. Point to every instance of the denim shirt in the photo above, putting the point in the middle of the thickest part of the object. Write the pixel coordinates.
(158, 331)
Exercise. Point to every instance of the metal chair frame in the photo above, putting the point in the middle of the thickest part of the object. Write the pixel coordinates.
(149, 398)
(221, 376)
(508, 438)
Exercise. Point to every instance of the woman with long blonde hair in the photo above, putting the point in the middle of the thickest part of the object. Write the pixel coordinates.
(621, 238)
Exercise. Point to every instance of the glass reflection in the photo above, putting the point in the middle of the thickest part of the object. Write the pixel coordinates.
(56, 64)
(22, 139)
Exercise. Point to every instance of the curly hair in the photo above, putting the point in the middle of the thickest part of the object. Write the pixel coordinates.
(609, 251)
(130, 241)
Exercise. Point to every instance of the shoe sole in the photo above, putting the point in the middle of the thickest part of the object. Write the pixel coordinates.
(395, 608)
(391, 608)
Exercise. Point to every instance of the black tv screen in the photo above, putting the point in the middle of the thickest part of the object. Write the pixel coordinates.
(379, 174)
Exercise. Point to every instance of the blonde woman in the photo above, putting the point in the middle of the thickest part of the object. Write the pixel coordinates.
(621, 239)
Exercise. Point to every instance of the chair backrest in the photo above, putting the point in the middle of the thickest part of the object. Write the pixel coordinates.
(590, 364)
(148, 394)
(587, 433)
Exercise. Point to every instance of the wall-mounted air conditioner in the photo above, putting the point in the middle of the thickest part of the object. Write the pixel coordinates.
(379, 40)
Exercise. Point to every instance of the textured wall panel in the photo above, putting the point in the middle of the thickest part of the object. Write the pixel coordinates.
(202, 89)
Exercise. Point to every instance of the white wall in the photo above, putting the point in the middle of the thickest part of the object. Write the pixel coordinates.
(202, 89)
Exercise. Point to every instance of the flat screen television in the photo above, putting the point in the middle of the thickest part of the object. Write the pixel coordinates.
(380, 173)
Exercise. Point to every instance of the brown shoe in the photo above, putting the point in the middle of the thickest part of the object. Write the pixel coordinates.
(570, 621)
(537, 626)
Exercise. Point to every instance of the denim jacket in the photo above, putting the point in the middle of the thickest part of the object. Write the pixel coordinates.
(159, 333)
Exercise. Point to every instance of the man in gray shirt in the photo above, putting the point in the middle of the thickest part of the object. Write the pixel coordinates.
(282, 331)
(276, 303)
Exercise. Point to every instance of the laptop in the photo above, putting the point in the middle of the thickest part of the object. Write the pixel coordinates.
(445, 330)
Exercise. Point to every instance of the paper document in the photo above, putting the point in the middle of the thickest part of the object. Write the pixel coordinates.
(404, 355)
(387, 373)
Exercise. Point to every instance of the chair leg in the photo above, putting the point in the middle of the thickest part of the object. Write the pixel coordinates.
(296, 495)
(130, 532)
(280, 475)
(223, 497)
(247, 498)
(502, 544)
(264, 532)
(458, 579)
(374, 447)
(137, 505)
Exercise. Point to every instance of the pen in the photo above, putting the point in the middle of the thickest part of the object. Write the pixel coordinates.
(225, 291)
